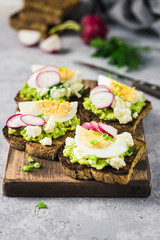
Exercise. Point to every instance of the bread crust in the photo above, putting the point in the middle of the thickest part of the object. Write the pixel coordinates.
(107, 174)
(36, 149)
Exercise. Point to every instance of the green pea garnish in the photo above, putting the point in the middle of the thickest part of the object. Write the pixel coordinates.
(30, 160)
(93, 157)
(41, 205)
(94, 142)
(37, 165)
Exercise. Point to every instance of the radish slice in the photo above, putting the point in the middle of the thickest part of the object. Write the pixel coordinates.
(51, 44)
(15, 121)
(31, 81)
(48, 79)
(32, 120)
(29, 38)
(102, 99)
(86, 125)
(111, 131)
(49, 68)
(99, 89)
(94, 126)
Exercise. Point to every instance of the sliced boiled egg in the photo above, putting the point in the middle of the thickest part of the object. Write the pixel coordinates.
(60, 111)
(68, 75)
(127, 93)
(102, 149)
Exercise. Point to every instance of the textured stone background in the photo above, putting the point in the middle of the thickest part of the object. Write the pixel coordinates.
(76, 218)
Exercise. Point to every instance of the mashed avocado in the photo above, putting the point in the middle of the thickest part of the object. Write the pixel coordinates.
(137, 107)
(107, 113)
(59, 130)
(29, 94)
(83, 159)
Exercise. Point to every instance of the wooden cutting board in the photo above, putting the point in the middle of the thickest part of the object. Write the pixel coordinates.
(51, 181)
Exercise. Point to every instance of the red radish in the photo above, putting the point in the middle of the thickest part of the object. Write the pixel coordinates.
(93, 26)
(15, 121)
(94, 126)
(86, 125)
(111, 131)
(48, 79)
(102, 99)
(32, 120)
(49, 68)
(99, 89)
(29, 38)
(51, 44)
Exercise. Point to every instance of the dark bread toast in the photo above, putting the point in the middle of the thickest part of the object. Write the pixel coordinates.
(87, 116)
(107, 174)
(36, 149)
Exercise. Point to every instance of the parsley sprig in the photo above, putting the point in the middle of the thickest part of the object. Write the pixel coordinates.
(120, 53)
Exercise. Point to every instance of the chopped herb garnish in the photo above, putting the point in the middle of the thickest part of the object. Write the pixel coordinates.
(41, 205)
(30, 160)
(116, 85)
(93, 157)
(94, 142)
(81, 90)
(107, 137)
(94, 132)
(51, 98)
(40, 115)
(109, 75)
(130, 151)
(115, 93)
(37, 165)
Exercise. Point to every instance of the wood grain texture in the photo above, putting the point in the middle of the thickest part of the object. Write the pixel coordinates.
(51, 181)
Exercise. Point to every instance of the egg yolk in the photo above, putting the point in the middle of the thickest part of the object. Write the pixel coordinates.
(66, 74)
(127, 93)
(54, 108)
(86, 136)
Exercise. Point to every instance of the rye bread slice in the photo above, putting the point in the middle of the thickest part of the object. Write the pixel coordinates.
(87, 116)
(36, 149)
(107, 174)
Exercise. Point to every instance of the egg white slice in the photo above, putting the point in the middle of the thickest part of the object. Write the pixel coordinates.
(103, 80)
(31, 108)
(112, 150)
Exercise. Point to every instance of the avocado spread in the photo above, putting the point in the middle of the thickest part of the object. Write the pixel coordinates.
(60, 129)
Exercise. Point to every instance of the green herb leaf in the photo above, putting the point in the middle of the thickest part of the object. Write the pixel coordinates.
(119, 53)
(40, 115)
(95, 133)
(94, 142)
(107, 137)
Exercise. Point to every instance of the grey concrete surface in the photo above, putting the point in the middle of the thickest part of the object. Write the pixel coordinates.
(77, 218)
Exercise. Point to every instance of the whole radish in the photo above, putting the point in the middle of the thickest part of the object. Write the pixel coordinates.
(93, 26)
